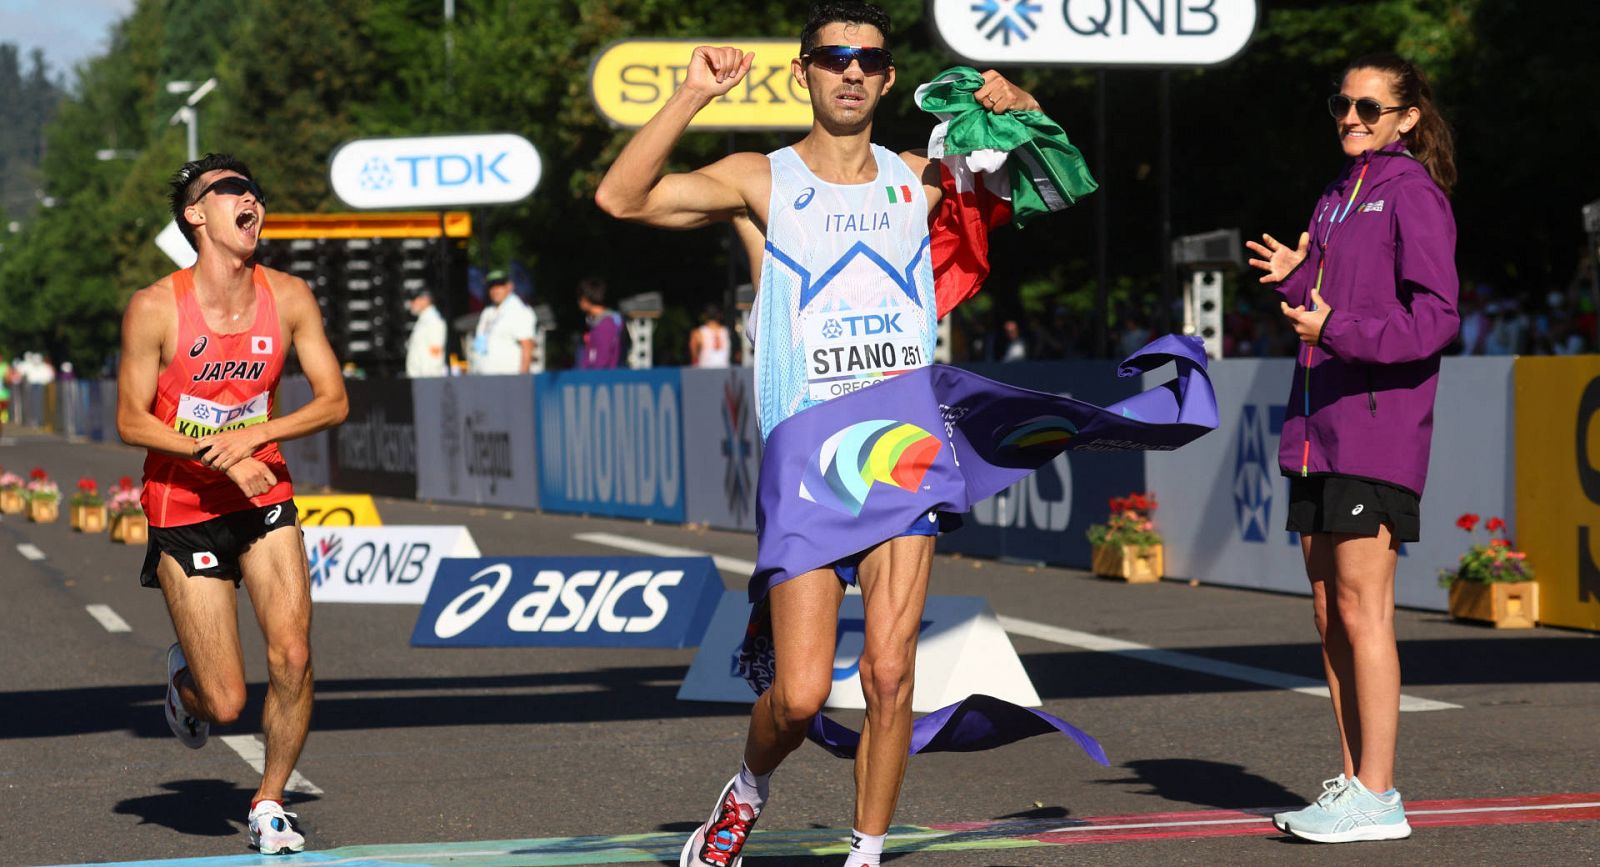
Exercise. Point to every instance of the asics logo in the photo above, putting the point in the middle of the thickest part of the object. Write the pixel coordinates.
(561, 602)
(1358, 509)
(272, 516)
(805, 198)
(198, 347)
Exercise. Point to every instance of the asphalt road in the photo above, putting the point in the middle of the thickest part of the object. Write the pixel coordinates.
(467, 745)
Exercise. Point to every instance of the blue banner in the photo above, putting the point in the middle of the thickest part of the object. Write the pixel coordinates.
(569, 602)
(610, 443)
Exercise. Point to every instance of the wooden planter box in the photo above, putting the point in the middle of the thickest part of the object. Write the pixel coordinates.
(89, 519)
(12, 502)
(1131, 563)
(130, 530)
(1506, 605)
(44, 511)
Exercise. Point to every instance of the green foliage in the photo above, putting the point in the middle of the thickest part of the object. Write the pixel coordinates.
(1489, 562)
(1129, 523)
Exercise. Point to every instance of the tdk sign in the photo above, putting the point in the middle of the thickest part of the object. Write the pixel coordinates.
(569, 602)
(435, 171)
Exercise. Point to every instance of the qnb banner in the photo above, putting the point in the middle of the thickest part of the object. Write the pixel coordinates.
(338, 510)
(570, 602)
(475, 440)
(381, 564)
(610, 443)
(376, 447)
(721, 447)
(1095, 32)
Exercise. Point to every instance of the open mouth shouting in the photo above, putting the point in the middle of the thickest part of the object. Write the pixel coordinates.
(248, 222)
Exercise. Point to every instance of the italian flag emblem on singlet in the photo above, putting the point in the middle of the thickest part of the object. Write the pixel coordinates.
(899, 195)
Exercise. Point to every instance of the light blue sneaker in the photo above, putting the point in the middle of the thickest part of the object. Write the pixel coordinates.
(1354, 814)
(1330, 789)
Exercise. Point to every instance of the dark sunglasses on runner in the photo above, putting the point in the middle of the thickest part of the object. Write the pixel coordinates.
(1367, 108)
(233, 185)
(837, 58)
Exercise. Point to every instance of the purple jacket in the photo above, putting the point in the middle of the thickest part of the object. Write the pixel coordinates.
(1390, 279)
(602, 345)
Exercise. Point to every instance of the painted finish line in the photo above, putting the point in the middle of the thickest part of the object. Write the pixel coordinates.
(968, 836)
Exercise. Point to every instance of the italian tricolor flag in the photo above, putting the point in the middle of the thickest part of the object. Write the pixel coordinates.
(994, 169)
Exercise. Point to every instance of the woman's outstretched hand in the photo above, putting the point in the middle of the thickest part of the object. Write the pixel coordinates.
(1278, 260)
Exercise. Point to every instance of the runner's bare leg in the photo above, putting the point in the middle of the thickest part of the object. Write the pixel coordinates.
(279, 583)
(205, 616)
(805, 619)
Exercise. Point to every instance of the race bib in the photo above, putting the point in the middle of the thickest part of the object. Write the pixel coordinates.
(849, 350)
(198, 417)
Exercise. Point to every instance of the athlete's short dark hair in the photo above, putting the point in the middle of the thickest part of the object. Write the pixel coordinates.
(185, 185)
(845, 12)
(592, 290)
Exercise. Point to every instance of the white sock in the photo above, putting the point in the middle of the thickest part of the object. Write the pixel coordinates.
(748, 788)
(865, 849)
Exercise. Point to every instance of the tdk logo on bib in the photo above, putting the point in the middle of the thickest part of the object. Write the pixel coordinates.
(569, 602)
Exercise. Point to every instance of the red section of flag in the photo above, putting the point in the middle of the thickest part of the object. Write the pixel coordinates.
(959, 233)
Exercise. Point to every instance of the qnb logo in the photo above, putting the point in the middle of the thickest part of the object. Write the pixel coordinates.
(1005, 20)
(1252, 472)
(581, 602)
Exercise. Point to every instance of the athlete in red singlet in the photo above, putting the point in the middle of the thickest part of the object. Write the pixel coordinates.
(202, 350)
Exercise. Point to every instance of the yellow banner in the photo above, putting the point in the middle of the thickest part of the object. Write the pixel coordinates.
(630, 81)
(354, 510)
(1558, 484)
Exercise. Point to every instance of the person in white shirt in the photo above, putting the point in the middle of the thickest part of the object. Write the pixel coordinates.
(503, 343)
(425, 347)
(708, 344)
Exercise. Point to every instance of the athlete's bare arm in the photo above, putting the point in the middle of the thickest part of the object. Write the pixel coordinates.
(999, 96)
(302, 327)
(149, 338)
(634, 188)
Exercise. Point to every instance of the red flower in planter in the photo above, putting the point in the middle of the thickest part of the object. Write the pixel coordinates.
(1494, 525)
(1118, 504)
(125, 483)
(37, 474)
(1468, 522)
(1499, 543)
(87, 485)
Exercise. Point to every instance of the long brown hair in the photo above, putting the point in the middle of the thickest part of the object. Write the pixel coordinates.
(1430, 141)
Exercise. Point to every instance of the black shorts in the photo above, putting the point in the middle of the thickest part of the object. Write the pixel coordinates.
(1342, 504)
(212, 548)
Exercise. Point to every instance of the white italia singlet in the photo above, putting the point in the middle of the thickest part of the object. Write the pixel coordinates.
(846, 294)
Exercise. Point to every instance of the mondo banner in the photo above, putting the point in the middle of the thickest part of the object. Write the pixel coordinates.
(610, 443)
(380, 564)
(1558, 484)
(570, 602)
(375, 450)
(721, 447)
(475, 440)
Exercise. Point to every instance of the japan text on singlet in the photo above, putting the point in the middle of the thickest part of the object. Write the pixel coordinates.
(846, 296)
(215, 382)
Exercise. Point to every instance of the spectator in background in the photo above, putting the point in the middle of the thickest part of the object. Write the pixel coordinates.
(709, 345)
(1016, 348)
(425, 347)
(1134, 336)
(1474, 322)
(503, 342)
(602, 343)
(5, 391)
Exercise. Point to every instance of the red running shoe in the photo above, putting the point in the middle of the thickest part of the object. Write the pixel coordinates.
(720, 841)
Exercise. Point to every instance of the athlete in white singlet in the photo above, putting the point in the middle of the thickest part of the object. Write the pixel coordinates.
(710, 345)
(839, 230)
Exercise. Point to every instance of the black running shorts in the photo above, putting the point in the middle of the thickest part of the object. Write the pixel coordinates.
(1342, 504)
(212, 548)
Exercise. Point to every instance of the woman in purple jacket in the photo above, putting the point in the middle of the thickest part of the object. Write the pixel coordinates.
(1371, 291)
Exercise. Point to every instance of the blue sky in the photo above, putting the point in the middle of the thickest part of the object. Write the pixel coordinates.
(68, 30)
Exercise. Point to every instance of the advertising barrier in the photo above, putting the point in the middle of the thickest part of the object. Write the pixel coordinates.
(1095, 32)
(721, 448)
(375, 450)
(1044, 517)
(610, 443)
(309, 458)
(630, 81)
(1223, 500)
(337, 510)
(961, 650)
(1558, 484)
(380, 564)
(475, 440)
(570, 602)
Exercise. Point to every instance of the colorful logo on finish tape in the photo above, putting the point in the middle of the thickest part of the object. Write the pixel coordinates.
(1044, 434)
(842, 472)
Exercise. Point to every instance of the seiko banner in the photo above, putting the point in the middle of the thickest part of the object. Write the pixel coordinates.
(570, 602)
(1223, 500)
(380, 564)
(630, 81)
(1044, 517)
(308, 457)
(1094, 32)
(475, 440)
(337, 510)
(435, 171)
(1558, 485)
(375, 450)
(721, 447)
(609, 443)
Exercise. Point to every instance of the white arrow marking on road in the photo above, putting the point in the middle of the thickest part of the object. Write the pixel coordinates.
(30, 551)
(108, 618)
(251, 750)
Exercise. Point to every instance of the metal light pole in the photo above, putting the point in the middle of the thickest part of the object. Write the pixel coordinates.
(186, 114)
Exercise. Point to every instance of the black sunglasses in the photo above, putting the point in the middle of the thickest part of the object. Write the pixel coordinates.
(232, 186)
(1367, 108)
(837, 58)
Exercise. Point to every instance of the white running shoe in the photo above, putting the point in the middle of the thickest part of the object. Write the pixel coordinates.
(190, 732)
(272, 833)
(720, 841)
